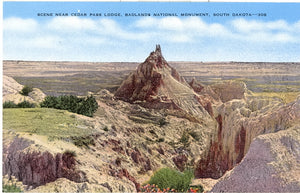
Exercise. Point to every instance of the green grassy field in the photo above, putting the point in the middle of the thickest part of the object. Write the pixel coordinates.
(48, 122)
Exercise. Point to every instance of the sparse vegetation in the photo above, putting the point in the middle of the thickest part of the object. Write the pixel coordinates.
(70, 153)
(11, 185)
(82, 141)
(10, 188)
(84, 106)
(105, 128)
(162, 122)
(167, 178)
(26, 90)
(185, 139)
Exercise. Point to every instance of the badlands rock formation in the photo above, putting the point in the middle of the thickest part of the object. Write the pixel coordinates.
(161, 121)
(271, 165)
(11, 92)
(155, 84)
(239, 122)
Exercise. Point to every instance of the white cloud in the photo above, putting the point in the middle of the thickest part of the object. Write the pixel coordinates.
(278, 31)
(179, 38)
(171, 23)
(19, 25)
(45, 42)
(252, 26)
(182, 29)
(146, 22)
(75, 34)
(71, 24)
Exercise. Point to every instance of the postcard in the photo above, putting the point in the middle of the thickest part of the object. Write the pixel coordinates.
(151, 97)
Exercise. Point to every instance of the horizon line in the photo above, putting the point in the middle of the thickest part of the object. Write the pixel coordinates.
(185, 61)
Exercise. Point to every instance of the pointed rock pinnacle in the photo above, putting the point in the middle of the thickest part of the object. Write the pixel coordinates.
(158, 49)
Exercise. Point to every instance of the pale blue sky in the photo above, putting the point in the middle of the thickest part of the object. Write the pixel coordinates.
(275, 37)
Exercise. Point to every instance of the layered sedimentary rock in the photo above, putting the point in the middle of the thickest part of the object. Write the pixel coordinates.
(271, 165)
(36, 168)
(155, 84)
(239, 122)
(150, 80)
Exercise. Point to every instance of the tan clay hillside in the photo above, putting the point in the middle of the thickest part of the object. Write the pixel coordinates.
(161, 121)
(11, 92)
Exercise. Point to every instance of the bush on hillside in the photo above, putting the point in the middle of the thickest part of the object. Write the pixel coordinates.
(185, 139)
(172, 179)
(84, 106)
(162, 122)
(10, 188)
(23, 104)
(26, 90)
(70, 153)
(83, 141)
(9, 104)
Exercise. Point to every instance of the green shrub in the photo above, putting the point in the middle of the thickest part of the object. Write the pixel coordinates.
(9, 104)
(84, 106)
(23, 104)
(173, 179)
(10, 188)
(26, 90)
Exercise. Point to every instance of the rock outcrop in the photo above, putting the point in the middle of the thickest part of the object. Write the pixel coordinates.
(10, 86)
(271, 165)
(239, 122)
(11, 92)
(155, 84)
(150, 81)
(38, 168)
(228, 90)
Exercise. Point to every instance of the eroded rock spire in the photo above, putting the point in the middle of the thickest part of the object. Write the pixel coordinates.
(155, 84)
(158, 49)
